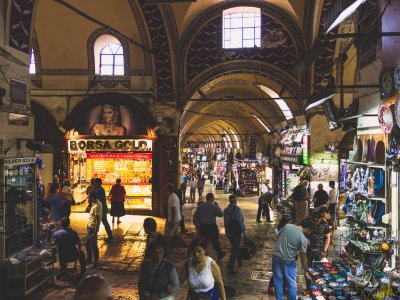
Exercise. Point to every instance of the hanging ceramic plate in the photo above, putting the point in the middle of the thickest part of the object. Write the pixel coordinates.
(386, 83)
(396, 76)
(397, 111)
(385, 118)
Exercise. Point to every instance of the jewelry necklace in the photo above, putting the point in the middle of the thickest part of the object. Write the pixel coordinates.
(110, 128)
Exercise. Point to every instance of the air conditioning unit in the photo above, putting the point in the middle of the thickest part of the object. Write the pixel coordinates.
(153, 2)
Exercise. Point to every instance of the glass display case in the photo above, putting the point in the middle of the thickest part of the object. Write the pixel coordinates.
(17, 206)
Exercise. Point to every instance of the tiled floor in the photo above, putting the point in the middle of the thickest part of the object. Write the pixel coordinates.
(120, 261)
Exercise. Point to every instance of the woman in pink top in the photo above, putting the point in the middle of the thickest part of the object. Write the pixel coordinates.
(117, 198)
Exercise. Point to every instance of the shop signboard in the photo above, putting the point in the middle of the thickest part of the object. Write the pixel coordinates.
(291, 159)
(110, 145)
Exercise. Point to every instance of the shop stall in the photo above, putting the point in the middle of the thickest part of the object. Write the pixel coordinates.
(248, 172)
(293, 159)
(131, 160)
(26, 259)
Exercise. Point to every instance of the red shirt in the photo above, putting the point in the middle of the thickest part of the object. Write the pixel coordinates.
(117, 193)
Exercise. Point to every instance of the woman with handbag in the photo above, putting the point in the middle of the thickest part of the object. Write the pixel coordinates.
(203, 274)
(158, 279)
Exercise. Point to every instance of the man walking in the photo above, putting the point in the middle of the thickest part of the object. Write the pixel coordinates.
(193, 185)
(205, 219)
(301, 199)
(264, 201)
(174, 217)
(101, 195)
(93, 226)
(291, 239)
(234, 228)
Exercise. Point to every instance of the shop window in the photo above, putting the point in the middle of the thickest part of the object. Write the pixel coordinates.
(242, 27)
(109, 56)
(32, 65)
(112, 60)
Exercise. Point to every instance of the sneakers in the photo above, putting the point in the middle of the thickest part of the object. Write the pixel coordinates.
(270, 221)
(94, 265)
(259, 221)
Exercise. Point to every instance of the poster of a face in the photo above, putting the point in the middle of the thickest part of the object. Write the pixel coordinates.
(109, 123)
(110, 118)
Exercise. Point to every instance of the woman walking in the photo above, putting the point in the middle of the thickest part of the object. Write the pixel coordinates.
(203, 274)
(158, 279)
(117, 198)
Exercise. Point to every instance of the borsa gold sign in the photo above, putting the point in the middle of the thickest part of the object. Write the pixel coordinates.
(110, 145)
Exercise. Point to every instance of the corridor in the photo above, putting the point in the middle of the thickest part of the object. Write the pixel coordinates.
(120, 261)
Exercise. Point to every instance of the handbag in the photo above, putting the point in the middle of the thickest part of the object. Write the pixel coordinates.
(248, 249)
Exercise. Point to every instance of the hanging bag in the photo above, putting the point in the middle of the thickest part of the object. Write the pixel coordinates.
(248, 249)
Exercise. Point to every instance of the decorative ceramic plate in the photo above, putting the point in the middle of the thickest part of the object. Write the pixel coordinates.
(397, 111)
(385, 118)
(386, 83)
(396, 76)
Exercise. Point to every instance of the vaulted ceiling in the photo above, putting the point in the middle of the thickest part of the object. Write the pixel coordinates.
(175, 51)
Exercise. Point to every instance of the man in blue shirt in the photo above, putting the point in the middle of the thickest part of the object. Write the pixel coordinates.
(69, 248)
(205, 220)
(234, 228)
(56, 205)
(101, 195)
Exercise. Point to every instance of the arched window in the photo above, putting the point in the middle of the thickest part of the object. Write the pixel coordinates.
(112, 60)
(109, 56)
(32, 65)
(242, 27)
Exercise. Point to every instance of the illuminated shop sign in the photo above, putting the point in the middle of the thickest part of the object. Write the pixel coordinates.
(136, 156)
(110, 145)
(20, 161)
(291, 158)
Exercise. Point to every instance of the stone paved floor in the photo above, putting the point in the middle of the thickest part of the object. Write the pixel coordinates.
(119, 262)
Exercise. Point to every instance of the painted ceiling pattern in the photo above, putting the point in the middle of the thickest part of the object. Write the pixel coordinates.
(20, 24)
(206, 49)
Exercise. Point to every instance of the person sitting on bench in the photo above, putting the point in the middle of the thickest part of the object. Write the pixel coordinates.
(69, 248)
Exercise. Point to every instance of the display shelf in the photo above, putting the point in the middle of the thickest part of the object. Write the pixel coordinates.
(10, 235)
(371, 165)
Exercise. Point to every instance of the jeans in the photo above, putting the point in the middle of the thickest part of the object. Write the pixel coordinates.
(192, 195)
(265, 208)
(82, 263)
(235, 244)
(210, 231)
(284, 269)
(107, 225)
(92, 250)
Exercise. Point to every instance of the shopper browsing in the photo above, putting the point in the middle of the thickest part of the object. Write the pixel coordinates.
(291, 240)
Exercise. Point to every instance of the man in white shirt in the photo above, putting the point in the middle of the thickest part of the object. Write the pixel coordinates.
(333, 197)
(174, 215)
(193, 185)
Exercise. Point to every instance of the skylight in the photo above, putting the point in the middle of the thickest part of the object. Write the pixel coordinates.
(229, 139)
(261, 122)
(278, 100)
(236, 139)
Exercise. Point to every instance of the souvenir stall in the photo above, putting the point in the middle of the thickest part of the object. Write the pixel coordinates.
(248, 172)
(293, 158)
(363, 269)
(26, 258)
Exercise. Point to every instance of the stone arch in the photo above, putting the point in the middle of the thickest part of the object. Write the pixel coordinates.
(243, 66)
(79, 116)
(215, 11)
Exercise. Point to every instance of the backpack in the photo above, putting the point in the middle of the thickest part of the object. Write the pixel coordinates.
(233, 225)
(296, 195)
